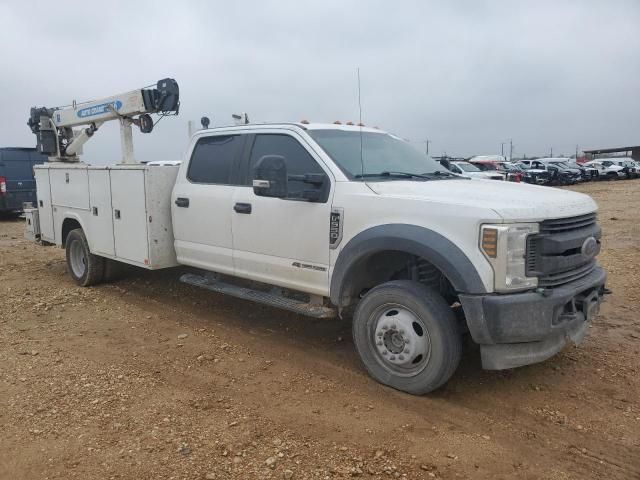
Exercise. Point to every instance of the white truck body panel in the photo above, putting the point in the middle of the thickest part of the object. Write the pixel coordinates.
(45, 208)
(124, 210)
(101, 221)
(203, 231)
(70, 187)
(292, 251)
(129, 215)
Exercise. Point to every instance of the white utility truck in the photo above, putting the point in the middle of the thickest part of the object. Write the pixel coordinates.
(331, 220)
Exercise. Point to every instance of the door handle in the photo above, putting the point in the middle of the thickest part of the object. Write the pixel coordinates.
(242, 207)
(182, 202)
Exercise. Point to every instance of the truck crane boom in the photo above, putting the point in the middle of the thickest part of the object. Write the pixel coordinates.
(54, 127)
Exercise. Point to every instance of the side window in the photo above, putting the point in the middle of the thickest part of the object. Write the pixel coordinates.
(213, 158)
(299, 161)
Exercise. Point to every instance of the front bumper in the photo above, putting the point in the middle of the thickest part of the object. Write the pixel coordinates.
(523, 328)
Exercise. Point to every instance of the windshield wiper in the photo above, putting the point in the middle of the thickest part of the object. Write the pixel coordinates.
(392, 174)
(441, 174)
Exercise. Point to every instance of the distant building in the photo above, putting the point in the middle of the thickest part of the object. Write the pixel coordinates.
(633, 152)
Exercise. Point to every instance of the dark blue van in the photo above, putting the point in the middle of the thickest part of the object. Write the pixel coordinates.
(17, 184)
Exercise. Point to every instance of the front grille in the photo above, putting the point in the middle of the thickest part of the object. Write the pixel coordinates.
(568, 224)
(555, 254)
(566, 277)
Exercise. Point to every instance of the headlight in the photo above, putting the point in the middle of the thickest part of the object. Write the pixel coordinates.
(505, 246)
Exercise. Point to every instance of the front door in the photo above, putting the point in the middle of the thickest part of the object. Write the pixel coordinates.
(283, 241)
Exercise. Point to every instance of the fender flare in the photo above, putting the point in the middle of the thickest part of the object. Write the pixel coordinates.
(419, 241)
(71, 216)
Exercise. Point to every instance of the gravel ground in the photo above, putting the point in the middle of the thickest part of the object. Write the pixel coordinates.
(149, 378)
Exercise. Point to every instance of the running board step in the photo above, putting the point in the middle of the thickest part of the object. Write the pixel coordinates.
(265, 298)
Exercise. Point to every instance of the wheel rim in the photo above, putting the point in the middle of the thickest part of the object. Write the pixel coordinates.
(77, 258)
(401, 341)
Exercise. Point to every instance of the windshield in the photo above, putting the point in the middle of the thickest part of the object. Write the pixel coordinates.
(467, 167)
(381, 153)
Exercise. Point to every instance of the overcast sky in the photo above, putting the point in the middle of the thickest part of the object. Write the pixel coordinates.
(467, 75)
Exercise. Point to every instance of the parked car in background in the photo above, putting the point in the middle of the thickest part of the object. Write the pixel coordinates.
(490, 163)
(607, 169)
(469, 170)
(17, 184)
(588, 173)
(513, 171)
(534, 172)
(628, 166)
(569, 173)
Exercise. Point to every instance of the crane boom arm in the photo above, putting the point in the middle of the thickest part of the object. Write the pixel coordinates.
(53, 127)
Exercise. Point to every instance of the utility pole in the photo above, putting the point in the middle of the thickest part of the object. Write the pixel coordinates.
(511, 149)
(551, 154)
(577, 152)
(427, 142)
(502, 148)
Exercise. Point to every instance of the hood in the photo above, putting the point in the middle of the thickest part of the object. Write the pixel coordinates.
(511, 201)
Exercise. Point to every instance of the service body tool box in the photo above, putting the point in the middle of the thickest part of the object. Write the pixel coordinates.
(32, 224)
(124, 210)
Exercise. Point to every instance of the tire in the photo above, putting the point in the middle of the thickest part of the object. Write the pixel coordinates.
(418, 331)
(84, 267)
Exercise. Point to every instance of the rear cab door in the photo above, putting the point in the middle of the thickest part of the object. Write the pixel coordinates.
(202, 200)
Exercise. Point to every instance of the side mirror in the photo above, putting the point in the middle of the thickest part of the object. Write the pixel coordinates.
(270, 177)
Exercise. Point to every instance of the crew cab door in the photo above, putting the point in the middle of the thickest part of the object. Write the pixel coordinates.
(202, 203)
(283, 241)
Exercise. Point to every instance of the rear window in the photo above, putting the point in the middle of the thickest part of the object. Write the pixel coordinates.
(212, 159)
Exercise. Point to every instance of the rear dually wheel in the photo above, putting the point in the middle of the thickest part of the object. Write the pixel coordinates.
(84, 267)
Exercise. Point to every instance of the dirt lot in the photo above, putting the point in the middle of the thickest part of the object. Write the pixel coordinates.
(148, 378)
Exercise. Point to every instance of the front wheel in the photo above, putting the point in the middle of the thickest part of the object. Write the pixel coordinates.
(84, 267)
(407, 336)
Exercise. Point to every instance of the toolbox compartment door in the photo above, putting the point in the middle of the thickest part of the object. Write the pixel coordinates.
(101, 238)
(129, 215)
(45, 208)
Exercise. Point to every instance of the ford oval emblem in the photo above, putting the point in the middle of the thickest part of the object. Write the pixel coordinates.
(589, 247)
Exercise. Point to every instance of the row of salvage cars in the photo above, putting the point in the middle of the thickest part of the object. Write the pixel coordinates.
(545, 171)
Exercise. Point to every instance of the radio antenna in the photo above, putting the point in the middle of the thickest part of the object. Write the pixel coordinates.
(360, 125)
